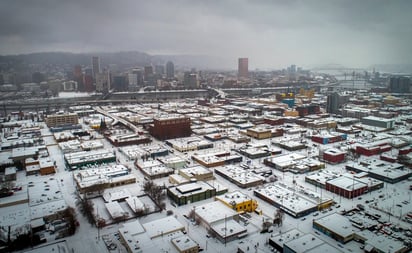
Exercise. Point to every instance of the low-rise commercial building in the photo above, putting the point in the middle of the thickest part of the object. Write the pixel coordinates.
(259, 133)
(336, 226)
(294, 162)
(189, 144)
(56, 120)
(327, 138)
(333, 155)
(220, 221)
(238, 201)
(378, 122)
(81, 159)
(191, 192)
(153, 168)
(239, 176)
(100, 178)
(381, 170)
(147, 237)
(199, 173)
(295, 202)
(346, 187)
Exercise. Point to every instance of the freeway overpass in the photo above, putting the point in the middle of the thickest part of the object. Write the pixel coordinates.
(117, 119)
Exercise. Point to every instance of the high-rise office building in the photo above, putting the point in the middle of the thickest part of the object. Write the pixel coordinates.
(77, 72)
(149, 77)
(190, 80)
(293, 68)
(78, 77)
(135, 79)
(332, 103)
(103, 82)
(243, 67)
(399, 84)
(335, 101)
(148, 71)
(170, 70)
(95, 65)
(160, 69)
(119, 83)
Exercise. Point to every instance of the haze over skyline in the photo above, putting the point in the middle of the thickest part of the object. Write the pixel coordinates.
(270, 33)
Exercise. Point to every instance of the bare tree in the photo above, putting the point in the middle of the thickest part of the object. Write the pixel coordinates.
(86, 208)
(278, 217)
(155, 192)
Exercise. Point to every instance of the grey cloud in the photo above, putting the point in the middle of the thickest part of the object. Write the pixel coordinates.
(270, 33)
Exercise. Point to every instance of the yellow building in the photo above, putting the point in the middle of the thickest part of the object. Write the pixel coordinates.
(291, 113)
(238, 201)
(259, 133)
(390, 100)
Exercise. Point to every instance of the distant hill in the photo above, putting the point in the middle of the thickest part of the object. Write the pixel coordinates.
(64, 58)
(393, 68)
(122, 59)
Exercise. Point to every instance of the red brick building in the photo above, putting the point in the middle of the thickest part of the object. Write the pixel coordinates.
(334, 155)
(170, 127)
(346, 187)
(329, 138)
(274, 121)
(372, 150)
(308, 109)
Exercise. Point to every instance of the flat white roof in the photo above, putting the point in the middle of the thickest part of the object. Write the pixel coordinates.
(47, 209)
(295, 200)
(236, 197)
(346, 183)
(214, 211)
(304, 243)
(132, 228)
(135, 203)
(382, 168)
(163, 226)
(239, 174)
(377, 119)
(60, 246)
(334, 151)
(195, 170)
(286, 160)
(10, 171)
(187, 188)
(228, 228)
(183, 243)
(324, 248)
(338, 224)
(287, 236)
(114, 195)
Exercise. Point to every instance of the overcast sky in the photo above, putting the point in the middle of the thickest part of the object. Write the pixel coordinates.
(271, 33)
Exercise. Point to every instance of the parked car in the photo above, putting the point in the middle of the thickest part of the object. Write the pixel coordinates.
(4, 192)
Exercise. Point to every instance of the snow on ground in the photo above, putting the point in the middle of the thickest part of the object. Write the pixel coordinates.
(88, 238)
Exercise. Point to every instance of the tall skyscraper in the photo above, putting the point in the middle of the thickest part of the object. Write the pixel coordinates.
(170, 70)
(78, 77)
(160, 69)
(119, 83)
(243, 67)
(148, 71)
(190, 80)
(103, 82)
(95, 66)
